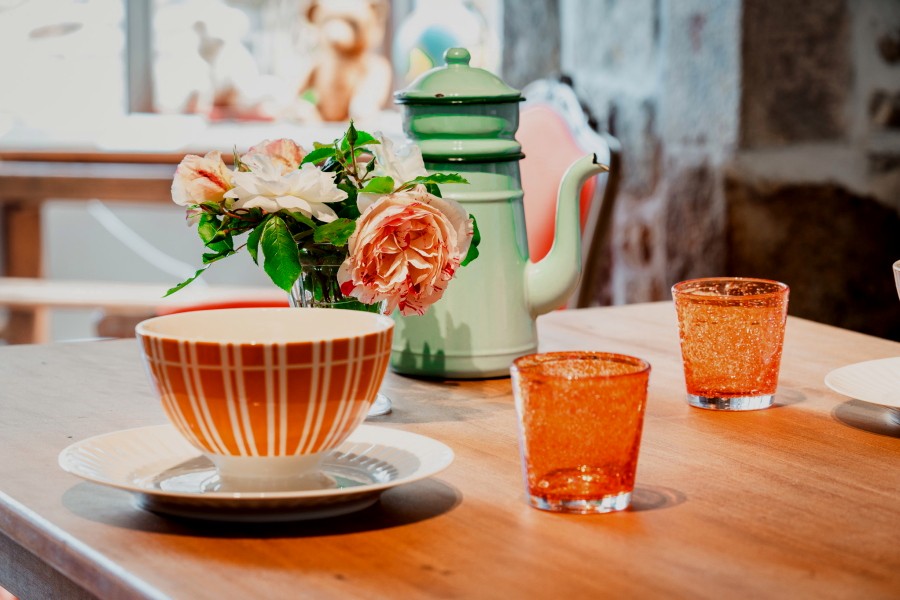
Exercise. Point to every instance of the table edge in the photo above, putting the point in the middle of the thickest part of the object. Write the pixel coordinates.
(32, 532)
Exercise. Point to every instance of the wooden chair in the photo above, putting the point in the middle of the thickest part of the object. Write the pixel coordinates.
(555, 129)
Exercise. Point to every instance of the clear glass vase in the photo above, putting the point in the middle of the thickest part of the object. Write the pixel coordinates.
(318, 287)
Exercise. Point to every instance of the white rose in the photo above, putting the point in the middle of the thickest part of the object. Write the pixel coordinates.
(306, 190)
(401, 163)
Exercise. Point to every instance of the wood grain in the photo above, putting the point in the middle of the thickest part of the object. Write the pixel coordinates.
(23, 257)
(40, 181)
(798, 501)
(25, 186)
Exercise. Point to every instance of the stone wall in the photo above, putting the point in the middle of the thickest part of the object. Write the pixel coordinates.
(760, 139)
(813, 192)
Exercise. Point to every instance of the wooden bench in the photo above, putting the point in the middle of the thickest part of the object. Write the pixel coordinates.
(122, 304)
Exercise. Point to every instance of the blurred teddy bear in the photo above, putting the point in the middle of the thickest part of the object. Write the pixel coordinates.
(349, 78)
(205, 68)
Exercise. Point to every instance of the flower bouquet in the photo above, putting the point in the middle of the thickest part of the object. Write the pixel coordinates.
(359, 218)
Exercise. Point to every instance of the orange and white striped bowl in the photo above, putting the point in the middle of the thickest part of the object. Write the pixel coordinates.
(266, 382)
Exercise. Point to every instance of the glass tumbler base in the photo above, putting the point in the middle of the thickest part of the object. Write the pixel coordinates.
(603, 504)
(737, 403)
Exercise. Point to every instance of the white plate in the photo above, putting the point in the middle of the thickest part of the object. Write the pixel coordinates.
(167, 475)
(875, 381)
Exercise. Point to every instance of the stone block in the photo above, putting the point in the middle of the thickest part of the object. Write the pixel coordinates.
(701, 75)
(637, 250)
(527, 56)
(616, 38)
(889, 46)
(633, 120)
(884, 175)
(797, 71)
(884, 109)
(694, 223)
(832, 247)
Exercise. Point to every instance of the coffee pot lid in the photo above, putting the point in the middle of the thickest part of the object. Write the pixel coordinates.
(457, 83)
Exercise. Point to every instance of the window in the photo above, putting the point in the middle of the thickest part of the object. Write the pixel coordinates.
(62, 67)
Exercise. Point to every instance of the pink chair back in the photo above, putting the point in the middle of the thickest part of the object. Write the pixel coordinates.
(555, 131)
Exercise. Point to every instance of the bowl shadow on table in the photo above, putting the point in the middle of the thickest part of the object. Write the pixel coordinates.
(866, 416)
(403, 505)
(437, 400)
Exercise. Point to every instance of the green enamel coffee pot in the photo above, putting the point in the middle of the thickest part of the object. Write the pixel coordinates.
(464, 119)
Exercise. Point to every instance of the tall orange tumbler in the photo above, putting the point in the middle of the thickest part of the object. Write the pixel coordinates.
(580, 420)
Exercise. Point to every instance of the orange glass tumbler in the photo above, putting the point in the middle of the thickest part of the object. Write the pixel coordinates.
(580, 420)
(732, 333)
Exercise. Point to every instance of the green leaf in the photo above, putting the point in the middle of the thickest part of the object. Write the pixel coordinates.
(352, 135)
(253, 242)
(472, 254)
(335, 233)
(351, 190)
(301, 218)
(215, 233)
(207, 227)
(185, 282)
(282, 262)
(433, 189)
(356, 138)
(365, 139)
(347, 210)
(319, 154)
(349, 138)
(435, 178)
(332, 164)
(379, 185)
(211, 257)
(215, 207)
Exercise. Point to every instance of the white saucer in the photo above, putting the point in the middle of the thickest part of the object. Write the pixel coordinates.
(168, 475)
(875, 381)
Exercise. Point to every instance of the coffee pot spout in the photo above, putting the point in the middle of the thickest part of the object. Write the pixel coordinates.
(550, 281)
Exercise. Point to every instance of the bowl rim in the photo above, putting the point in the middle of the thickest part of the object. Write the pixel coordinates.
(382, 324)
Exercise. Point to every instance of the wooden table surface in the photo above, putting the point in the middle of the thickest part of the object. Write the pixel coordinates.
(798, 501)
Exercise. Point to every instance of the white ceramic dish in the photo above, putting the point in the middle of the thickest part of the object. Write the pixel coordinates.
(875, 381)
(168, 475)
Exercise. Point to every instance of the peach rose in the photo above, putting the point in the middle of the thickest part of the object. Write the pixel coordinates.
(201, 179)
(406, 248)
(285, 153)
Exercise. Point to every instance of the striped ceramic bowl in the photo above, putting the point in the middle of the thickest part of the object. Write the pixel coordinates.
(285, 384)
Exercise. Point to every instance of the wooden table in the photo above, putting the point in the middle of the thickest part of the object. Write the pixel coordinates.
(798, 501)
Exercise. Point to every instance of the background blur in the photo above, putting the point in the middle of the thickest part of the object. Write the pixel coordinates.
(760, 138)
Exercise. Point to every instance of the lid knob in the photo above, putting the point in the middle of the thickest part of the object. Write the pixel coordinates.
(456, 83)
(457, 56)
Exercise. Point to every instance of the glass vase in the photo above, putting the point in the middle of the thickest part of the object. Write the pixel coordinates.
(318, 287)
